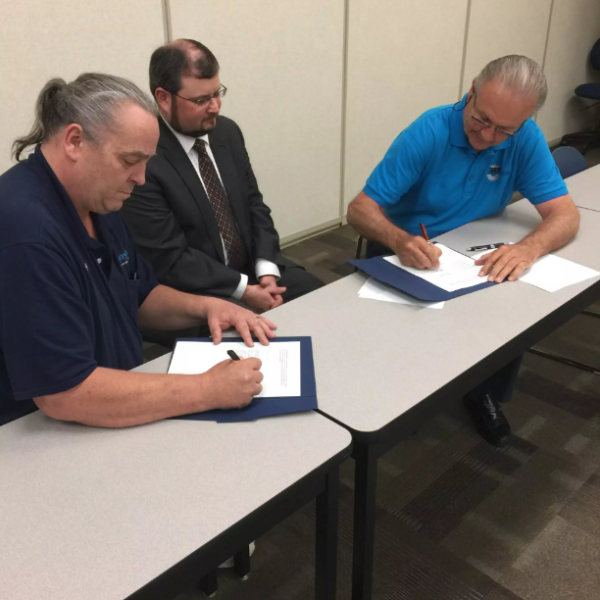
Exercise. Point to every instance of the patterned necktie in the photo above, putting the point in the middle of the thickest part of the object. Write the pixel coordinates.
(237, 257)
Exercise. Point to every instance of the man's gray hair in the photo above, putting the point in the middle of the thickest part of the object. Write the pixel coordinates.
(89, 101)
(519, 73)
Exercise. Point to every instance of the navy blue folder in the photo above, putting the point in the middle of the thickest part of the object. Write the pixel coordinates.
(267, 407)
(406, 282)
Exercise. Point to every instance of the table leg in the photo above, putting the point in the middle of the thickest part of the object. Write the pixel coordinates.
(364, 521)
(208, 584)
(326, 541)
(241, 563)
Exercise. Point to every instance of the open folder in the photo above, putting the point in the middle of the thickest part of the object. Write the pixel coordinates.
(457, 276)
(289, 374)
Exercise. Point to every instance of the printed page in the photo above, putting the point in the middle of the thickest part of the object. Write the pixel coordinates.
(456, 271)
(376, 290)
(552, 273)
(280, 363)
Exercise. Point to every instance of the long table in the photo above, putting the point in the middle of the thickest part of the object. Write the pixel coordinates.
(584, 188)
(383, 368)
(145, 512)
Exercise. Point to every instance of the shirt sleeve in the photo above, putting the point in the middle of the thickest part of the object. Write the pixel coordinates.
(266, 267)
(400, 168)
(241, 288)
(46, 328)
(539, 179)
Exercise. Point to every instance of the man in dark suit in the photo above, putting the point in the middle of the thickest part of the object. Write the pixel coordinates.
(200, 219)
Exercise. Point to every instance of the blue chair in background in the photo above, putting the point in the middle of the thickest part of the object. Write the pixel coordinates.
(590, 91)
(569, 161)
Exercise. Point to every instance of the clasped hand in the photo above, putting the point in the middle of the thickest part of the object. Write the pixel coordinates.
(265, 296)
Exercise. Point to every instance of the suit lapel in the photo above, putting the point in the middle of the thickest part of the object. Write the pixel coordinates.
(174, 154)
(229, 176)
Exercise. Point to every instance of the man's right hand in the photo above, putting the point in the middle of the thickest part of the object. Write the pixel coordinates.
(260, 299)
(414, 251)
(233, 383)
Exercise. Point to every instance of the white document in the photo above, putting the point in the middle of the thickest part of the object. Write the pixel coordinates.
(456, 271)
(280, 363)
(552, 273)
(375, 290)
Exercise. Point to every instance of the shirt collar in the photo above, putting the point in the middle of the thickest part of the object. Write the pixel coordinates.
(73, 216)
(186, 141)
(458, 137)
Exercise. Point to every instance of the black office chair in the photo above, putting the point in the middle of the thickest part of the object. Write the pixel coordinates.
(590, 91)
(569, 162)
(372, 249)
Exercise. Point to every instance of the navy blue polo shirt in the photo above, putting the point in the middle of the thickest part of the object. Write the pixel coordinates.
(68, 303)
(431, 174)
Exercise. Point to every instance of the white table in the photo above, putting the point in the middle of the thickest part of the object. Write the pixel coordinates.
(147, 511)
(584, 188)
(381, 368)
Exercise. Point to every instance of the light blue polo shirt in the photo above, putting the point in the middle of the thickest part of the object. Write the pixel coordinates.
(431, 174)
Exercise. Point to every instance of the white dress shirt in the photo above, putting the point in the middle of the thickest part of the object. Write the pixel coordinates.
(263, 267)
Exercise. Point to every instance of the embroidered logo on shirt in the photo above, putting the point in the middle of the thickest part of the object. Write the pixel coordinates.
(493, 173)
(123, 258)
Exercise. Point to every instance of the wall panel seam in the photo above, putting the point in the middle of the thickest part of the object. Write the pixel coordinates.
(167, 25)
(344, 107)
(464, 53)
(547, 35)
(535, 117)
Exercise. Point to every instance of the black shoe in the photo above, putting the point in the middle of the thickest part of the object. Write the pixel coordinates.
(489, 419)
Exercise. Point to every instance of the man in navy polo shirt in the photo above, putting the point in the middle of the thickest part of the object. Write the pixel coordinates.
(461, 162)
(72, 286)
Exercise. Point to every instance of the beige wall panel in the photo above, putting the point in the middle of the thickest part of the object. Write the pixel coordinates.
(40, 39)
(403, 58)
(574, 28)
(283, 64)
(500, 28)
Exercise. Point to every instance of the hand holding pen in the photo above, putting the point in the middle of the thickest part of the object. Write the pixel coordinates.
(416, 251)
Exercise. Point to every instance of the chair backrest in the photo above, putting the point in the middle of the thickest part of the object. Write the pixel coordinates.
(595, 56)
(569, 161)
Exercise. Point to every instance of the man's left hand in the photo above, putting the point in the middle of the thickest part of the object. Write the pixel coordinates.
(269, 283)
(221, 315)
(507, 262)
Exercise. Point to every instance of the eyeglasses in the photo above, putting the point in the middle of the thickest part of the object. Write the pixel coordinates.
(204, 100)
(481, 124)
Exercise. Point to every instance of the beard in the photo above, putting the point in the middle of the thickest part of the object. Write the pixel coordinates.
(195, 133)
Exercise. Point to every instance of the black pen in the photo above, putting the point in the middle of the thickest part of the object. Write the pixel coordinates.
(232, 355)
(486, 246)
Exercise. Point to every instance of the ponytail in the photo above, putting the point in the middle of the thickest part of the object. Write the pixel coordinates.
(89, 101)
(47, 117)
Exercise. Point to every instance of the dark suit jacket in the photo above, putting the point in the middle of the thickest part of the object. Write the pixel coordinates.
(173, 223)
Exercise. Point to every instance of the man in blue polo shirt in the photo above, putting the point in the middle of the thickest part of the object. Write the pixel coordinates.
(461, 162)
(72, 286)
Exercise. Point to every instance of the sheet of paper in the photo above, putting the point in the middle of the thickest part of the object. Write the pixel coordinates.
(456, 271)
(280, 363)
(375, 290)
(552, 273)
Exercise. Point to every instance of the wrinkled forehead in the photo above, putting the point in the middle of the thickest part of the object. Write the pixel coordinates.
(505, 104)
(132, 130)
(193, 87)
